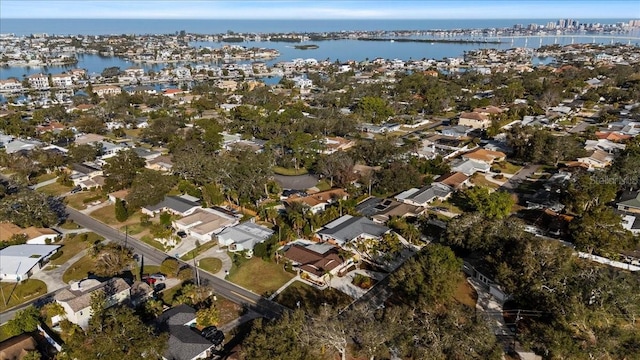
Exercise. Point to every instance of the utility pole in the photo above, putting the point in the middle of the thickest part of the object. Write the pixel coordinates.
(515, 332)
(126, 235)
(197, 273)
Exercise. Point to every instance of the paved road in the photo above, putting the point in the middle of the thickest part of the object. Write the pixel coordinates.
(152, 255)
(512, 184)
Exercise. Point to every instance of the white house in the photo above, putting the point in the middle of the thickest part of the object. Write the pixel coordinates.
(203, 224)
(38, 81)
(19, 262)
(244, 236)
(62, 80)
(76, 300)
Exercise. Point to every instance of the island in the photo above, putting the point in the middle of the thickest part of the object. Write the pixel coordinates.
(306, 47)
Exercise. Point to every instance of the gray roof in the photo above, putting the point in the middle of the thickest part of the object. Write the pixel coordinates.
(348, 227)
(145, 153)
(81, 298)
(176, 203)
(425, 194)
(630, 200)
(247, 233)
(185, 342)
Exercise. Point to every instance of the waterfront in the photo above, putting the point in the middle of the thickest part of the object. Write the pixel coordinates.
(334, 50)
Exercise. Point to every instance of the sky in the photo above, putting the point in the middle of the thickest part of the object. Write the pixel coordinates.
(321, 9)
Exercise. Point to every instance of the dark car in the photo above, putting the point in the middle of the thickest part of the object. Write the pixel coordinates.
(208, 331)
(181, 234)
(76, 189)
(159, 287)
(214, 335)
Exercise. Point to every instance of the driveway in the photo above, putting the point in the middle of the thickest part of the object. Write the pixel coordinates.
(299, 182)
(512, 184)
(216, 252)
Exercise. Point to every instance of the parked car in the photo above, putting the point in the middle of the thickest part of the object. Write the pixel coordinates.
(159, 287)
(76, 189)
(158, 277)
(214, 335)
(148, 280)
(181, 234)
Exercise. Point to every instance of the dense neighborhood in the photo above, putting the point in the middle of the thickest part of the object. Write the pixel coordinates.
(462, 208)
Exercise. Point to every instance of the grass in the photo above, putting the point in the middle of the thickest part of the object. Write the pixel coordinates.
(465, 294)
(79, 270)
(44, 177)
(55, 189)
(74, 245)
(133, 229)
(311, 298)
(76, 200)
(323, 185)
(507, 167)
(198, 250)
(4, 334)
(259, 276)
(447, 205)
(289, 172)
(170, 293)
(212, 265)
(149, 240)
(69, 225)
(480, 180)
(16, 294)
(229, 310)
(107, 214)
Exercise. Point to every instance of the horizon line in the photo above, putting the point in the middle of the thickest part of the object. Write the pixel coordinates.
(319, 18)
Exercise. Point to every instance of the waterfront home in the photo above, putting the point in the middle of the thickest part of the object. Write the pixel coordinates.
(10, 86)
(62, 80)
(38, 81)
(103, 90)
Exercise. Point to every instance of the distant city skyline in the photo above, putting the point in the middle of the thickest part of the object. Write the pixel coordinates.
(308, 9)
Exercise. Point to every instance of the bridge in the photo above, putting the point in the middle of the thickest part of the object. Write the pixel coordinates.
(613, 38)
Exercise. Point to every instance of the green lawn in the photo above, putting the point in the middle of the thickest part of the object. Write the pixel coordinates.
(72, 246)
(170, 293)
(289, 172)
(20, 293)
(199, 250)
(448, 205)
(149, 240)
(79, 270)
(506, 167)
(259, 276)
(44, 177)
(69, 225)
(133, 229)
(212, 265)
(76, 201)
(4, 335)
(323, 185)
(311, 298)
(55, 189)
(480, 180)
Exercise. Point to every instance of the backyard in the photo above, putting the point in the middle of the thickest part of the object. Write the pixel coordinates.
(259, 276)
(15, 294)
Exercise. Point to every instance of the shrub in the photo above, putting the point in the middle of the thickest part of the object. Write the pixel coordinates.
(186, 273)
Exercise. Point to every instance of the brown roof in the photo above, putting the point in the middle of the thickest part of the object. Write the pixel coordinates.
(321, 197)
(484, 155)
(454, 180)
(612, 136)
(120, 194)
(17, 347)
(312, 261)
(7, 230)
(474, 116)
(488, 110)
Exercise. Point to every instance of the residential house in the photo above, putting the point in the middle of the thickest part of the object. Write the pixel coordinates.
(34, 235)
(606, 145)
(439, 145)
(110, 149)
(146, 154)
(203, 224)
(103, 90)
(474, 120)
(598, 159)
(17, 347)
(185, 341)
(76, 299)
(457, 131)
(379, 129)
(87, 175)
(19, 262)
(38, 81)
(21, 145)
(612, 136)
(10, 85)
(120, 194)
(334, 144)
(390, 208)
(629, 202)
(631, 223)
(425, 195)
(319, 201)
(244, 236)
(62, 80)
(351, 228)
(470, 167)
(315, 260)
(485, 156)
(51, 126)
(455, 180)
(134, 72)
(182, 205)
(161, 163)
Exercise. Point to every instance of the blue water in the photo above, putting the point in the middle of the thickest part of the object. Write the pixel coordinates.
(167, 26)
(334, 50)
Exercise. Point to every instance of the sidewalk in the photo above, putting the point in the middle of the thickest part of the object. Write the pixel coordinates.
(281, 289)
(44, 183)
